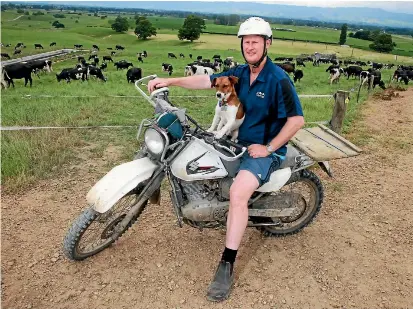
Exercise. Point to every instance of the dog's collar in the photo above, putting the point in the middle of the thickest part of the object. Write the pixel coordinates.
(222, 103)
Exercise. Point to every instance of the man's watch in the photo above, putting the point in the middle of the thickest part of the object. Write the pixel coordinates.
(269, 148)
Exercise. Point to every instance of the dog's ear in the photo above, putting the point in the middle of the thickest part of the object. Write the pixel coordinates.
(233, 79)
(213, 82)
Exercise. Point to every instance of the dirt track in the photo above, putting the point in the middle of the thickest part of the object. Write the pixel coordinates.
(357, 254)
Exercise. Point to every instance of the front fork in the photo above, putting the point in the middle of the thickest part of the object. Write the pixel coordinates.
(146, 194)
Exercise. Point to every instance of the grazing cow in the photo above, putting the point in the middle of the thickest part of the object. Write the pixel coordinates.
(287, 67)
(107, 58)
(298, 75)
(377, 66)
(81, 58)
(90, 57)
(3, 81)
(52, 44)
(8, 45)
(119, 47)
(20, 44)
(353, 70)
(17, 52)
(109, 48)
(36, 46)
(78, 45)
(217, 56)
(190, 56)
(103, 66)
(37, 65)
(181, 55)
(133, 74)
(140, 59)
(172, 55)
(333, 66)
(123, 64)
(95, 47)
(198, 70)
(335, 75)
(94, 71)
(70, 73)
(199, 58)
(96, 61)
(5, 55)
(113, 53)
(206, 60)
(372, 76)
(18, 71)
(145, 54)
(166, 67)
(300, 62)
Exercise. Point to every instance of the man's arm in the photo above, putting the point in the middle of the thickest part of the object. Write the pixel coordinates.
(291, 127)
(189, 82)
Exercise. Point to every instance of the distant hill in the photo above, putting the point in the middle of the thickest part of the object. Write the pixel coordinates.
(359, 15)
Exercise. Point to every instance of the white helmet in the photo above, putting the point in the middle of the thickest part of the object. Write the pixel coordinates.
(255, 26)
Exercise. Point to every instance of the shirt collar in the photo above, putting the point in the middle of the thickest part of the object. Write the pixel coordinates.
(261, 76)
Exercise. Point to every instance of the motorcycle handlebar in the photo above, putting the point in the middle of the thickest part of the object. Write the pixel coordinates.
(149, 98)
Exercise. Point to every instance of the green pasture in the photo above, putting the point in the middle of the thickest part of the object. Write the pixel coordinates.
(30, 155)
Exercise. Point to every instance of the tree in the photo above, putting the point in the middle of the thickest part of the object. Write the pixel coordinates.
(144, 28)
(351, 34)
(192, 28)
(382, 43)
(343, 34)
(20, 11)
(121, 24)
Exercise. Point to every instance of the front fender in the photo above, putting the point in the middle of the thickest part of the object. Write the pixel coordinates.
(118, 182)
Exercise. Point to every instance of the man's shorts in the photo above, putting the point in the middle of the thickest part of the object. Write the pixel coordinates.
(261, 168)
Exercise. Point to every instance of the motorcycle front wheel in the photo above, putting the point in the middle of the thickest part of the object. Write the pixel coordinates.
(91, 232)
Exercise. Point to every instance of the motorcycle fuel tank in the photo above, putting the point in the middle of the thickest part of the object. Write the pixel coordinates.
(197, 163)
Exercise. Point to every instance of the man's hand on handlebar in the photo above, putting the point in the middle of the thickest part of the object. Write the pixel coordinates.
(157, 83)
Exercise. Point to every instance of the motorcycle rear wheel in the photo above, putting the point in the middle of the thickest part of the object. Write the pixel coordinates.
(91, 232)
(308, 206)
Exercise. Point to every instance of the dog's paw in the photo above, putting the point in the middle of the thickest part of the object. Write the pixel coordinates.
(218, 134)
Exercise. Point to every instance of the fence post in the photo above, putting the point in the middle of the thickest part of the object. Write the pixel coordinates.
(339, 110)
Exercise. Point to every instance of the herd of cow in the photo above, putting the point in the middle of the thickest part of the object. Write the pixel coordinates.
(84, 69)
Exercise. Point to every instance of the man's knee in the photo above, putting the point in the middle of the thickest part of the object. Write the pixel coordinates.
(243, 187)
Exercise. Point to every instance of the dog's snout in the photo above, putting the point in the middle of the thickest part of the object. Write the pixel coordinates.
(219, 94)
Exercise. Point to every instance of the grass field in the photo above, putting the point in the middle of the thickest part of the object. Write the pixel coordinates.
(29, 155)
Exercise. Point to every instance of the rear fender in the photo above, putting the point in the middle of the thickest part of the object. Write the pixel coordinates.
(118, 182)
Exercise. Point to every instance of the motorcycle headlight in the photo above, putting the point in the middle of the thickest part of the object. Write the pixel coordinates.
(154, 141)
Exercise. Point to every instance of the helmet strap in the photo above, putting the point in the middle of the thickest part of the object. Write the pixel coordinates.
(264, 54)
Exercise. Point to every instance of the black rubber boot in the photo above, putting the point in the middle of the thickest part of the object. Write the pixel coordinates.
(220, 287)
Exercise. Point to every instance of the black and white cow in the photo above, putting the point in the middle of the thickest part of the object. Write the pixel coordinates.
(298, 75)
(78, 45)
(70, 73)
(96, 61)
(94, 46)
(372, 77)
(140, 59)
(39, 65)
(133, 74)
(107, 58)
(81, 58)
(353, 70)
(17, 71)
(94, 71)
(166, 67)
(181, 55)
(5, 55)
(198, 70)
(36, 46)
(190, 56)
(52, 44)
(335, 74)
(172, 55)
(103, 66)
(17, 52)
(119, 47)
(123, 64)
(18, 45)
(90, 57)
(113, 53)
(300, 62)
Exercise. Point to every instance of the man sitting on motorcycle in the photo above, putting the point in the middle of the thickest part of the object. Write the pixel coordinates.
(273, 115)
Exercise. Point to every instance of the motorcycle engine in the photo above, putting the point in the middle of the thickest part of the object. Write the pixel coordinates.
(206, 200)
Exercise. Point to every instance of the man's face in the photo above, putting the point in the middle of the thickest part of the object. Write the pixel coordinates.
(253, 46)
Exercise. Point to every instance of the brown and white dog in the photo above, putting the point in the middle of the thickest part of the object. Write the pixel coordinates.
(229, 112)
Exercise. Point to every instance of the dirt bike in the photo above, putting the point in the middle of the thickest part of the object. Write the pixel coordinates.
(200, 170)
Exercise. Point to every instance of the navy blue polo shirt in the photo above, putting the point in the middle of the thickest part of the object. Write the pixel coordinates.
(267, 103)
